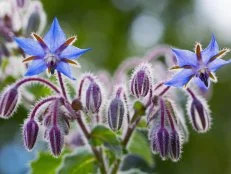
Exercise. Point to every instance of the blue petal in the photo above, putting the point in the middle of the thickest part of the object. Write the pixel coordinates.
(185, 57)
(217, 63)
(55, 36)
(210, 51)
(181, 78)
(65, 69)
(29, 46)
(201, 84)
(72, 52)
(36, 67)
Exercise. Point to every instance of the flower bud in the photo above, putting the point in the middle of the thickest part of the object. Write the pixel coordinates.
(21, 3)
(152, 137)
(33, 23)
(199, 115)
(35, 18)
(162, 142)
(93, 97)
(116, 113)
(30, 133)
(56, 140)
(175, 145)
(62, 120)
(8, 102)
(141, 81)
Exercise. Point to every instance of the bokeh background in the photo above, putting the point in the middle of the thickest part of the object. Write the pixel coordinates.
(117, 29)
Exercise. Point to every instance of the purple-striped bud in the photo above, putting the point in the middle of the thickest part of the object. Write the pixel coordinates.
(199, 114)
(116, 113)
(30, 133)
(162, 142)
(56, 140)
(93, 97)
(152, 136)
(141, 81)
(21, 3)
(8, 102)
(175, 145)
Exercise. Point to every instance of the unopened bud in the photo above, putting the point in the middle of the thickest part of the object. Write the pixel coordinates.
(175, 145)
(21, 3)
(93, 98)
(8, 102)
(152, 138)
(56, 140)
(30, 133)
(141, 81)
(116, 113)
(162, 142)
(33, 23)
(199, 115)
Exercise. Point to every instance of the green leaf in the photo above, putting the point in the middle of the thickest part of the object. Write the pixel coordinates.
(45, 163)
(133, 171)
(102, 135)
(139, 109)
(143, 148)
(82, 161)
(132, 161)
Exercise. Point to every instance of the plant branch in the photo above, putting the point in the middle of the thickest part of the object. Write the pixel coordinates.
(86, 133)
(62, 85)
(37, 79)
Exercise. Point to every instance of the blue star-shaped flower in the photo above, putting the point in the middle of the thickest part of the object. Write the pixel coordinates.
(200, 65)
(54, 51)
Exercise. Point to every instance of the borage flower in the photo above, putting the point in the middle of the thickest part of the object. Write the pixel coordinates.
(200, 65)
(54, 51)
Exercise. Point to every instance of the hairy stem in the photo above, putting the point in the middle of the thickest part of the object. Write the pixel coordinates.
(37, 79)
(38, 105)
(191, 93)
(62, 86)
(164, 91)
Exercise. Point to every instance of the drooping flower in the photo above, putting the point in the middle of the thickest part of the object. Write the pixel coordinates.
(199, 66)
(54, 51)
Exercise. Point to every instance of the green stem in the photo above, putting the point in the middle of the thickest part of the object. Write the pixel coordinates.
(125, 141)
(98, 155)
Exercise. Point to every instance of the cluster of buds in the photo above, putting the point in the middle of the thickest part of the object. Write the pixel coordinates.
(12, 24)
(166, 134)
(54, 121)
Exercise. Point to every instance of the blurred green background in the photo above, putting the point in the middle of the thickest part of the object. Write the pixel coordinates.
(117, 29)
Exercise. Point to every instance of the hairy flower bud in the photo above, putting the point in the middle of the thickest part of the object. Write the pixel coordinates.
(56, 140)
(199, 114)
(175, 145)
(162, 142)
(30, 133)
(8, 102)
(35, 18)
(21, 3)
(62, 120)
(116, 113)
(141, 81)
(93, 98)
